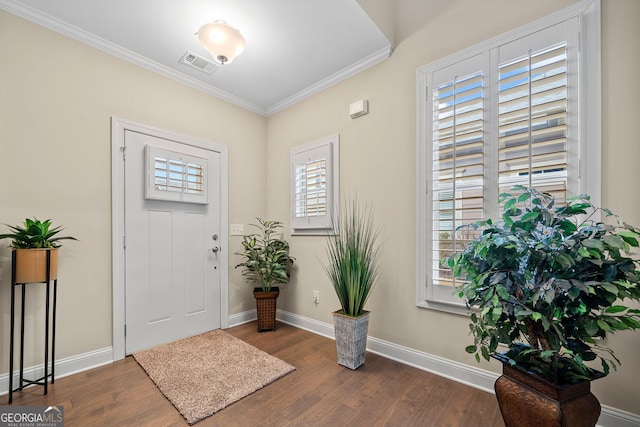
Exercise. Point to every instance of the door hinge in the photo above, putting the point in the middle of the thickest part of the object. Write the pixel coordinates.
(124, 242)
(123, 150)
(125, 330)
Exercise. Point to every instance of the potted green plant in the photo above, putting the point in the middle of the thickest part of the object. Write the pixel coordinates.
(547, 282)
(33, 242)
(353, 271)
(266, 262)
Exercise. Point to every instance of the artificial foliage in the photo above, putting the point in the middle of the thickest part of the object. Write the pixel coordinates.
(266, 256)
(34, 233)
(550, 283)
(353, 258)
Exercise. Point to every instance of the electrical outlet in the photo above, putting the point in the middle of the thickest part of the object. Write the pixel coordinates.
(316, 297)
(237, 230)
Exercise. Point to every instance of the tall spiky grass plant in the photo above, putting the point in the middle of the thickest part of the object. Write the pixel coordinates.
(353, 255)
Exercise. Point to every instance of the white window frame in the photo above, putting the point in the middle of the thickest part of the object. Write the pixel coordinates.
(182, 195)
(587, 133)
(326, 149)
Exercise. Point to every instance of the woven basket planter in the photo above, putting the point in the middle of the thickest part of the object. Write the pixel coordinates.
(351, 339)
(266, 308)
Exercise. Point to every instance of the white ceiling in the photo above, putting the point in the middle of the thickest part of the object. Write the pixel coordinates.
(295, 48)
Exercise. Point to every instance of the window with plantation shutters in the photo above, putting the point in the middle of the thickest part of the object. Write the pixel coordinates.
(175, 177)
(314, 183)
(532, 121)
(458, 165)
(311, 187)
(178, 176)
(512, 111)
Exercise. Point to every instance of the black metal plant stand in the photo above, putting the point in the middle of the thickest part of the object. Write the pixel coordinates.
(43, 381)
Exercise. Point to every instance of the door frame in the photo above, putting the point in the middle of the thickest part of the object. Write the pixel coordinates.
(118, 128)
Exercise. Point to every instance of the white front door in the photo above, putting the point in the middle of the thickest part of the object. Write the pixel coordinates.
(172, 248)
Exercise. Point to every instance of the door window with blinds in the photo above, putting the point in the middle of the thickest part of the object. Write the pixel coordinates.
(501, 114)
(175, 177)
(314, 186)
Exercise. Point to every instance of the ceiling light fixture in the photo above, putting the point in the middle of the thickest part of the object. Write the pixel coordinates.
(222, 41)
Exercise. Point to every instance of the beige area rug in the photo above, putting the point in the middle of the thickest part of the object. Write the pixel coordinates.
(204, 374)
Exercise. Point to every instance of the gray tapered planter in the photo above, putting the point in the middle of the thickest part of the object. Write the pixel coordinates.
(351, 338)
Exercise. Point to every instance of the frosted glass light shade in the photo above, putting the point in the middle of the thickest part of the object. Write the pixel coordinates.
(222, 41)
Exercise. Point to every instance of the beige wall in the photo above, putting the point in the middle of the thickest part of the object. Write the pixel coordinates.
(377, 156)
(57, 97)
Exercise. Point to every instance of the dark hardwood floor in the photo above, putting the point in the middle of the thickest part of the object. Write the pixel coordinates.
(319, 392)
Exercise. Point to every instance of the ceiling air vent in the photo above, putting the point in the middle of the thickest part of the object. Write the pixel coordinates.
(198, 62)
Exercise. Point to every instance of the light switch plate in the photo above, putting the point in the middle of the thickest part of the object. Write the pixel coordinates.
(237, 230)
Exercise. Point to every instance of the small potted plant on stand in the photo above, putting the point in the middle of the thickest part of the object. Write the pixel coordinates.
(353, 270)
(31, 243)
(547, 283)
(267, 262)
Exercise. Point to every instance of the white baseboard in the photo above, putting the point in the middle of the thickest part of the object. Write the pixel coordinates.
(64, 367)
(612, 417)
(459, 372)
(474, 377)
(242, 318)
(311, 325)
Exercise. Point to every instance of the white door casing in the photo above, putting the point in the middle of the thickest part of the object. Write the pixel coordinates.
(183, 232)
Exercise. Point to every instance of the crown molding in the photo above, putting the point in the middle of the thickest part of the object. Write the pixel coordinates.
(333, 79)
(64, 28)
(92, 40)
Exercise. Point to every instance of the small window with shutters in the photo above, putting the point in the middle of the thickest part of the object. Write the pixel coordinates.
(508, 112)
(314, 186)
(175, 177)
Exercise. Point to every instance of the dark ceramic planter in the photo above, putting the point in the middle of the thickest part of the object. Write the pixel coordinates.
(527, 400)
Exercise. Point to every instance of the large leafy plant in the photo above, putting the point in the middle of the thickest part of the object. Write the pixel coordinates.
(547, 282)
(35, 234)
(353, 255)
(266, 256)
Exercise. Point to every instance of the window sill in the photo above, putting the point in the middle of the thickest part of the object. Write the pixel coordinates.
(446, 306)
(313, 232)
